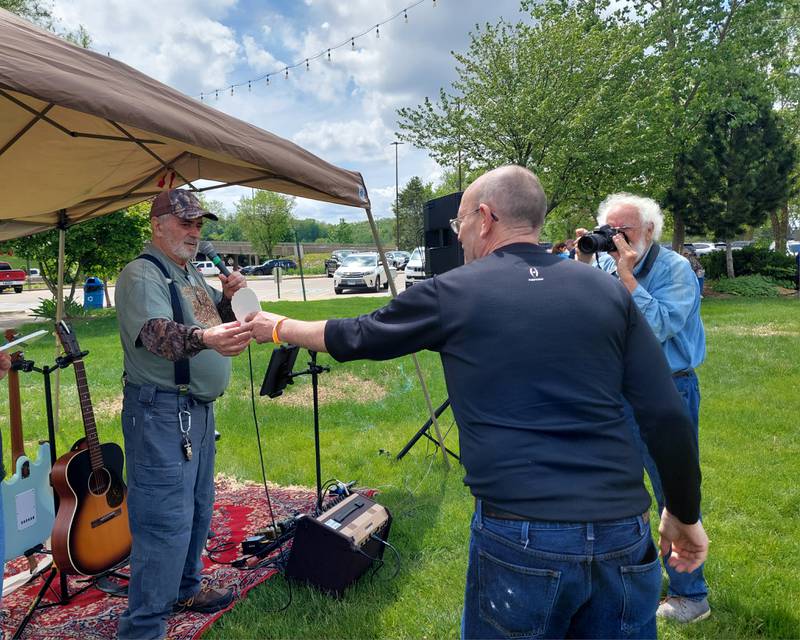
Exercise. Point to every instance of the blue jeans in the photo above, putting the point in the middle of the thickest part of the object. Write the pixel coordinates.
(170, 501)
(532, 579)
(687, 585)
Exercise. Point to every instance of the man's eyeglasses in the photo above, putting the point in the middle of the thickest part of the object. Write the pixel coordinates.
(455, 223)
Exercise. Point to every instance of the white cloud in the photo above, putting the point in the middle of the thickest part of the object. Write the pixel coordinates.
(259, 59)
(351, 138)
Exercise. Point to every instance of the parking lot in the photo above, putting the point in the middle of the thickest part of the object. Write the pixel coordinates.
(15, 307)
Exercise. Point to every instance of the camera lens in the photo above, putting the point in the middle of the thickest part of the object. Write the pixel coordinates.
(589, 243)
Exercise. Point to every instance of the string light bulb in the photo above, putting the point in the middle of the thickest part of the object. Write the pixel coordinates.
(434, 3)
(307, 67)
(329, 55)
(267, 80)
(378, 31)
(405, 16)
(248, 86)
(216, 94)
(352, 44)
(286, 73)
(231, 89)
(201, 96)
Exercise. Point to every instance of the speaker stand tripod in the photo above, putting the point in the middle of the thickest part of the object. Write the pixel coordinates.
(424, 431)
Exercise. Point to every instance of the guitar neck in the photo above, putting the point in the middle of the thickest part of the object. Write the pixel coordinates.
(87, 413)
(15, 418)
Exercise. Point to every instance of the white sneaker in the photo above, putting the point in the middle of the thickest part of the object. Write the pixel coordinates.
(683, 610)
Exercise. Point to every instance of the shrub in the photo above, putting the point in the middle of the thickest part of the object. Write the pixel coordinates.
(47, 309)
(752, 261)
(748, 286)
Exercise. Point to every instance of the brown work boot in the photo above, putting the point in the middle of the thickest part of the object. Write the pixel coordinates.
(207, 600)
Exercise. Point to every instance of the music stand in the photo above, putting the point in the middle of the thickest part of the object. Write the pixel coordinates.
(279, 374)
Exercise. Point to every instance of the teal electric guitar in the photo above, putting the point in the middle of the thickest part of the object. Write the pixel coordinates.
(28, 505)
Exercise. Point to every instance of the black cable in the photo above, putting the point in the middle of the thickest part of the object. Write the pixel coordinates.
(264, 479)
(396, 553)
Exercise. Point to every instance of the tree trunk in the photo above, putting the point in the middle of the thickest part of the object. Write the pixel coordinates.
(780, 227)
(729, 259)
(679, 231)
(105, 291)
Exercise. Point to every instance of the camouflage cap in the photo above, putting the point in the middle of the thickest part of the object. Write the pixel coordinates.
(181, 203)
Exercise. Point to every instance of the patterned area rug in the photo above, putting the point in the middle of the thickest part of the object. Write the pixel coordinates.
(239, 511)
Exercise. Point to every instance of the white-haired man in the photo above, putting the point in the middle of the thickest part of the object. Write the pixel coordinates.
(666, 290)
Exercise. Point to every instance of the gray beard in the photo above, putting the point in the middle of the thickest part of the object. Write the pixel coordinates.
(184, 252)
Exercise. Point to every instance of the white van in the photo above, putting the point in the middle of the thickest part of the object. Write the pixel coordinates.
(206, 267)
(415, 267)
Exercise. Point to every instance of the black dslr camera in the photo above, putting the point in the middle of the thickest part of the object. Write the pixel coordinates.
(601, 239)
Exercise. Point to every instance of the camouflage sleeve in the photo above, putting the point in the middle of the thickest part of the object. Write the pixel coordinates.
(225, 310)
(168, 339)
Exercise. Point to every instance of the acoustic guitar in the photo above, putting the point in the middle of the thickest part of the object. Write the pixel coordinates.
(29, 509)
(91, 533)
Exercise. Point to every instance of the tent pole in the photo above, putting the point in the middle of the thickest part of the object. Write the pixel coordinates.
(425, 392)
(62, 232)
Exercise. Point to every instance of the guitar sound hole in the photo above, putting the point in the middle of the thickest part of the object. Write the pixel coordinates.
(99, 481)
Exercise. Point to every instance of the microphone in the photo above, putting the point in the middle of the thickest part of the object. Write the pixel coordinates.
(208, 249)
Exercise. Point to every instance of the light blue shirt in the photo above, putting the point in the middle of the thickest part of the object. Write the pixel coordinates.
(669, 298)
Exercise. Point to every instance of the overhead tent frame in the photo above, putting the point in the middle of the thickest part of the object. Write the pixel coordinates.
(71, 121)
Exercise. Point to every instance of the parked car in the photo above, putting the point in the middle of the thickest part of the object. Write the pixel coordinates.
(792, 247)
(34, 274)
(699, 248)
(738, 245)
(362, 271)
(205, 267)
(335, 261)
(415, 267)
(266, 268)
(398, 258)
(10, 277)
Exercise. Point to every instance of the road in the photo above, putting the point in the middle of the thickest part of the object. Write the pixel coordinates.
(15, 307)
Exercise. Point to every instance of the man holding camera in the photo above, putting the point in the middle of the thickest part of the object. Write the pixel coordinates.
(665, 288)
(560, 542)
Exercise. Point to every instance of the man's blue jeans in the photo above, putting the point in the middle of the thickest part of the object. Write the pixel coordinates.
(170, 501)
(532, 579)
(687, 585)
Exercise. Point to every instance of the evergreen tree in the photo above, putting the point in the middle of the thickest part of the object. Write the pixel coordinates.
(736, 174)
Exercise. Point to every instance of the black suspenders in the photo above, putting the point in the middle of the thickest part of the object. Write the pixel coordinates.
(181, 366)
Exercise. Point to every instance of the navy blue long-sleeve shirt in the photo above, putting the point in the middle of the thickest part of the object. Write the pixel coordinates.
(537, 353)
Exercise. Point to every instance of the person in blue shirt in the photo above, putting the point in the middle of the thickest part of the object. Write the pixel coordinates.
(666, 290)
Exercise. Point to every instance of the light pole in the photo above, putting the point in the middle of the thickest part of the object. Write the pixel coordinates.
(397, 191)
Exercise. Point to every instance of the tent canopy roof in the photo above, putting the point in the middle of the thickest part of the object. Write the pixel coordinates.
(85, 134)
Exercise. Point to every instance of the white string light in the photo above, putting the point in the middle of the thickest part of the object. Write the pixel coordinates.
(323, 53)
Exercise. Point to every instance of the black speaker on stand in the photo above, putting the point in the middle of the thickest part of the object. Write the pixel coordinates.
(442, 249)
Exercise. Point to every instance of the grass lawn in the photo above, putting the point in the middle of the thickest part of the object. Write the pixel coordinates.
(749, 447)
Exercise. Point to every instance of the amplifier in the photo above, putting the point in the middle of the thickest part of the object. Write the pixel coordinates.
(334, 549)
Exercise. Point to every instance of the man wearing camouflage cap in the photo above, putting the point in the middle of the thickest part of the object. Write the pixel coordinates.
(177, 336)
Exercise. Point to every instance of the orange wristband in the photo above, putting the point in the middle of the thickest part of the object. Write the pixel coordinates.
(275, 337)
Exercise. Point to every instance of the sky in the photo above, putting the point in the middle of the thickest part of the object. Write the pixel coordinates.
(343, 110)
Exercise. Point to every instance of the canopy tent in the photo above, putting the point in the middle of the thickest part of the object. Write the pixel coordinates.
(82, 135)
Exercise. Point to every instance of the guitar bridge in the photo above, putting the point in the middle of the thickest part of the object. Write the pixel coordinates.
(103, 519)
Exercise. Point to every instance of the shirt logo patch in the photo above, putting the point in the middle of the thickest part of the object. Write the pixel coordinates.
(534, 275)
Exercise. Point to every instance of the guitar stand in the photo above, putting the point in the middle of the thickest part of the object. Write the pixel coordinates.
(424, 432)
(64, 596)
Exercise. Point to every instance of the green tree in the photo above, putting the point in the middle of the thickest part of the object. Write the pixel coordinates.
(412, 199)
(266, 219)
(342, 233)
(735, 175)
(34, 10)
(561, 96)
(696, 51)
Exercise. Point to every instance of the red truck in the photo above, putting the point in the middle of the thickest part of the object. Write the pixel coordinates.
(10, 277)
